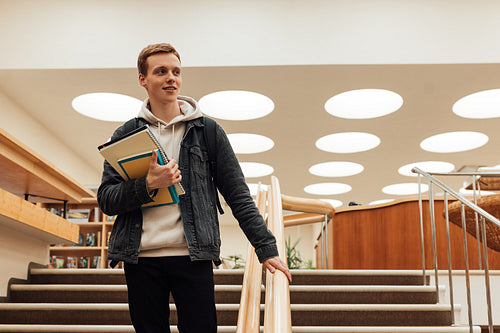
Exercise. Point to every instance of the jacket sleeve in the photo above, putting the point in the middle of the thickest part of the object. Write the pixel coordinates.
(231, 184)
(117, 196)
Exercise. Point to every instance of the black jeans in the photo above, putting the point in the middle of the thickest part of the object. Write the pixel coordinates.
(191, 283)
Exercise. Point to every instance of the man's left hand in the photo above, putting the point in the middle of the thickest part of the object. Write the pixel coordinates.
(274, 263)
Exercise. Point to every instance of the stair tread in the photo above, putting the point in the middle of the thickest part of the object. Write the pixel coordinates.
(293, 288)
(294, 307)
(295, 329)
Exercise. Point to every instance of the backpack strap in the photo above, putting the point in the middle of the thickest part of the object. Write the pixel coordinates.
(210, 135)
(132, 124)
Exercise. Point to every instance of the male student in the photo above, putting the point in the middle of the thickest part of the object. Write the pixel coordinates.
(170, 249)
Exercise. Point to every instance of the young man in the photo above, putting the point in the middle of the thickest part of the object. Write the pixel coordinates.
(170, 249)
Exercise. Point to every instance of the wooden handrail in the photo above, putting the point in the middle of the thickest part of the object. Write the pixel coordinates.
(307, 205)
(277, 316)
(302, 218)
(249, 311)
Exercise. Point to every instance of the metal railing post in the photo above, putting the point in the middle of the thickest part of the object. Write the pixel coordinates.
(326, 240)
(450, 277)
(466, 258)
(422, 245)
(434, 238)
(487, 275)
(478, 238)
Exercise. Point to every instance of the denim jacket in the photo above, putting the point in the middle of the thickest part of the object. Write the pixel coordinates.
(198, 206)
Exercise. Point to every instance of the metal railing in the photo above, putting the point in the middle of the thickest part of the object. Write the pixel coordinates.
(480, 232)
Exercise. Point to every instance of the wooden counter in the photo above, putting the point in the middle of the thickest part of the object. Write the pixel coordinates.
(24, 171)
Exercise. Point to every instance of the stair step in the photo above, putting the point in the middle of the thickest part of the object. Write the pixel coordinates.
(235, 276)
(302, 314)
(112, 276)
(232, 329)
(92, 293)
(357, 277)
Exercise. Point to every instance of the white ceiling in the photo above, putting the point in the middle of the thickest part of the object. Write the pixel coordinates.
(431, 52)
(299, 118)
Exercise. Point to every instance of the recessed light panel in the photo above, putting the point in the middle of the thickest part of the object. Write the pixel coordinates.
(480, 105)
(107, 106)
(383, 201)
(427, 166)
(333, 202)
(348, 142)
(252, 169)
(244, 143)
(363, 104)
(453, 142)
(404, 189)
(236, 105)
(327, 188)
(336, 169)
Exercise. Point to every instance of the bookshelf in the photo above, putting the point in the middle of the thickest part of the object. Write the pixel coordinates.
(94, 229)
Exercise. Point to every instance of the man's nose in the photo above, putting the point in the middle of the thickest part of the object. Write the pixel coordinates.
(170, 77)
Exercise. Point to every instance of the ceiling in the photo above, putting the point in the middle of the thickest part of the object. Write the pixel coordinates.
(298, 120)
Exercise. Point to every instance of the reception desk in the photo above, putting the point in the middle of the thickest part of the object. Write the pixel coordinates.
(387, 236)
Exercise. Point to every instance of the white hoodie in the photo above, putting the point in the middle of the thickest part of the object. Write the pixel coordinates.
(162, 229)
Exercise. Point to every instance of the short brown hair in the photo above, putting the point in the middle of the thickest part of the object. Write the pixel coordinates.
(150, 50)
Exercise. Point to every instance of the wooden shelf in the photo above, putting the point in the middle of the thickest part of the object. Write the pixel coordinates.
(31, 173)
(101, 228)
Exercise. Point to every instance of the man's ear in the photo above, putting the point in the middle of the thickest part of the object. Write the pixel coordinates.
(142, 80)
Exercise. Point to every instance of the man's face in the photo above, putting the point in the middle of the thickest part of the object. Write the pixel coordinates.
(163, 80)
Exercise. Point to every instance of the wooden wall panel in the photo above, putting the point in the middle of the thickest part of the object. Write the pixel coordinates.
(388, 237)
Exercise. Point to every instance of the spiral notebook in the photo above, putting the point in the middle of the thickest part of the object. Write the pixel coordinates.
(129, 154)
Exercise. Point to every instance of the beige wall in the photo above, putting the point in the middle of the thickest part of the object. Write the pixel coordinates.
(19, 123)
(17, 251)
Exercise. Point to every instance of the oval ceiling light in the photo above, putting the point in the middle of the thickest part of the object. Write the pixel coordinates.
(255, 187)
(236, 105)
(453, 142)
(252, 169)
(382, 201)
(427, 166)
(336, 169)
(364, 104)
(327, 188)
(244, 143)
(481, 105)
(348, 142)
(107, 106)
(333, 202)
(404, 189)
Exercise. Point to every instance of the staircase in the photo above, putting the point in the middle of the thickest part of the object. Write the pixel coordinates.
(95, 300)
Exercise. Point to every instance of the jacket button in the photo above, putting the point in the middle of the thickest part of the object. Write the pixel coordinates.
(137, 225)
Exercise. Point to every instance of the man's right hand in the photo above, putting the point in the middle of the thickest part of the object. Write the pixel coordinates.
(162, 176)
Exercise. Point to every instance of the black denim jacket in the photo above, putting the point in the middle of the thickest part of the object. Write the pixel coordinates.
(198, 206)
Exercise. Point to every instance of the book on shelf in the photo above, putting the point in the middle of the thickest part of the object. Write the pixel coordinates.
(95, 215)
(130, 156)
(91, 239)
(78, 215)
(83, 262)
(71, 262)
(96, 262)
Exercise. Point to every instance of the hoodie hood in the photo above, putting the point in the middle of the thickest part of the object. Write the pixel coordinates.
(189, 110)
